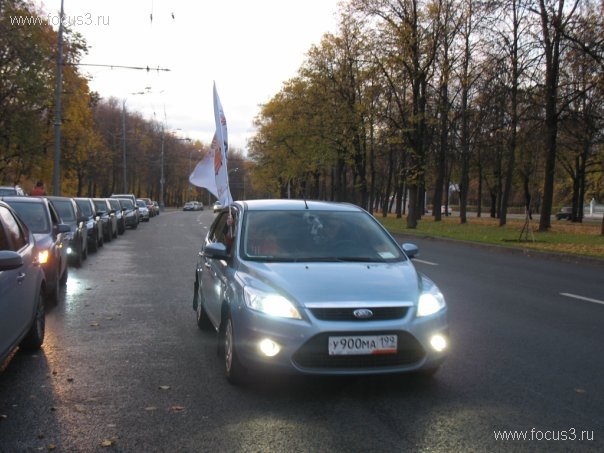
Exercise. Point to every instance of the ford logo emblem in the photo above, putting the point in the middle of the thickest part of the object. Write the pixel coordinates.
(363, 313)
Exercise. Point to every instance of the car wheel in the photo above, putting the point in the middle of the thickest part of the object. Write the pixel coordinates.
(203, 322)
(78, 257)
(100, 237)
(35, 336)
(232, 368)
(93, 245)
(63, 280)
(54, 290)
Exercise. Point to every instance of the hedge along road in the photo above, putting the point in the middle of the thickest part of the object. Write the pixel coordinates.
(124, 367)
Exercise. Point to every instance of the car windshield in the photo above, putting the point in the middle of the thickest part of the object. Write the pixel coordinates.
(65, 209)
(100, 206)
(85, 207)
(34, 215)
(126, 203)
(316, 236)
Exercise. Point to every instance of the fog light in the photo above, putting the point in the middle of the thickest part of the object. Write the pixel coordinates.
(269, 348)
(438, 342)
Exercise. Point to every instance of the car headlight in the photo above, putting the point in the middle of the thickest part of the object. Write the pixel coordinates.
(430, 303)
(270, 303)
(43, 256)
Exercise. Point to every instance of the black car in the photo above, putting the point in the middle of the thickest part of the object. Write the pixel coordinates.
(130, 213)
(107, 216)
(93, 223)
(51, 239)
(69, 212)
(119, 214)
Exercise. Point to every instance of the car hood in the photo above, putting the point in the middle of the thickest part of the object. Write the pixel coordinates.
(337, 282)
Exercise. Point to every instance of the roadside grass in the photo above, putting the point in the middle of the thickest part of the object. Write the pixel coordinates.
(581, 239)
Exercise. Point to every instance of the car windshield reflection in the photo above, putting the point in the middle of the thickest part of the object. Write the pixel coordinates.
(321, 236)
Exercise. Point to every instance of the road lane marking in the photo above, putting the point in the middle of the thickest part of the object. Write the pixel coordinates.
(588, 299)
(430, 263)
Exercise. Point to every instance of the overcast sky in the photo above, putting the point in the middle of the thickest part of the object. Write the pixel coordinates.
(248, 47)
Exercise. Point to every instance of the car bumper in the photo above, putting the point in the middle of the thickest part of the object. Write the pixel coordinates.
(304, 344)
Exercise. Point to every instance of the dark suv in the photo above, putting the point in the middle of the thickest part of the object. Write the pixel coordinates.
(69, 212)
(93, 223)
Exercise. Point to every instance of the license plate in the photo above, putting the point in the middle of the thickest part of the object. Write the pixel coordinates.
(363, 345)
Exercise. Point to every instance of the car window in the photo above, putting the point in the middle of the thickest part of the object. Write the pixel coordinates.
(85, 207)
(222, 231)
(65, 209)
(34, 215)
(15, 238)
(100, 206)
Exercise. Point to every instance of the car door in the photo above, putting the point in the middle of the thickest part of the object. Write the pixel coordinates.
(18, 286)
(213, 274)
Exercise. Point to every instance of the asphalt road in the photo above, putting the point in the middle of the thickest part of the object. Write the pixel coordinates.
(124, 367)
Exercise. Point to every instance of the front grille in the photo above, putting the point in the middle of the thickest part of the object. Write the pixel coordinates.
(314, 353)
(346, 314)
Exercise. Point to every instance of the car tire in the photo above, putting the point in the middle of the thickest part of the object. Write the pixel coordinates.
(232, 367)
(78, 258)
(35, 336)
(63, 280)
(203, 322)
(100, 238)
(93, 245)
(54, 290)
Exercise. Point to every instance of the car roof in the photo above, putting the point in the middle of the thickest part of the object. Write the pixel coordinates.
(296, 205)
(21, 199)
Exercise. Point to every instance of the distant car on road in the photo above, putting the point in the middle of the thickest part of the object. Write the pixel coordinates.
(315, 288)
(131, 215)
(565, 213)
(22, 286)
(143, 210)
(119, 214)
(51, 239)
(216, 206)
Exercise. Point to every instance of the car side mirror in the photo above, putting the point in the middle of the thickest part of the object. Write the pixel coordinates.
(216, 250)
(10, 260)
(411, 250)
(62, 228)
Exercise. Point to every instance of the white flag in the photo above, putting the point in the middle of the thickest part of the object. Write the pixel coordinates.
(203, 174)
(212, 172)
(221, 156)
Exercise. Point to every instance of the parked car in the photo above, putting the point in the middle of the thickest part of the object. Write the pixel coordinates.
(50, 235)
(22, 286)
(315, 288)
(132, 198)
(150, 206)
(119, 214)
(143, 211)
(156, 206)
(70, 214)
(93, 223)
(7, 191)
(130, 213)
(565, 213)
(108, 219)
(216, 206)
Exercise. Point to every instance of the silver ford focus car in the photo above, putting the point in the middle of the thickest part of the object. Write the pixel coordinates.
(315, 288)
